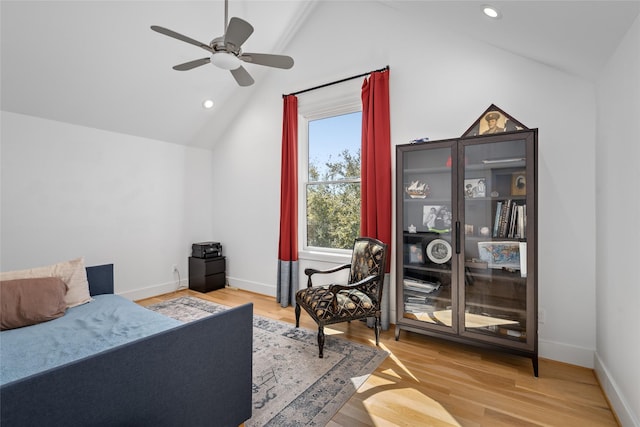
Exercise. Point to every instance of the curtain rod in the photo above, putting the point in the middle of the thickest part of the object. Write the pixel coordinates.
(336, 82)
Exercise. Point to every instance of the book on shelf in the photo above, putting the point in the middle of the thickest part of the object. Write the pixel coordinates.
(419, 308)
(421, 286)
(496, 223)
(510, 220)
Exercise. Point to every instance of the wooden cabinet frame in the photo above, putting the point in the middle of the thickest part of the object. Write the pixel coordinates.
(472, 277)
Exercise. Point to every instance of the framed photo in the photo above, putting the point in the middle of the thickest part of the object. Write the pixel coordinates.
(500, 254)
(475, 187)
(437, 218)
(415, 254)
(519, 184)
(493, 120)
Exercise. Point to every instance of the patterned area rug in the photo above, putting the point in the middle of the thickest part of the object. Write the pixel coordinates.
(291, 385)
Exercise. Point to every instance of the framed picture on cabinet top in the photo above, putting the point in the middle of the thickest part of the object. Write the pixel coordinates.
(519, 184)
(493, 120)
(475, 187)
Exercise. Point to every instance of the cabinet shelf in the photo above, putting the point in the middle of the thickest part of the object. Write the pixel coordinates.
(427, 201)
(422, 267)
(496, 165)
(496, 276)
(430, 171)
(492, 199)
(498, 305)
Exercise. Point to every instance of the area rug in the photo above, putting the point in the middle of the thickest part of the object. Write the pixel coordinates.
(292, 386)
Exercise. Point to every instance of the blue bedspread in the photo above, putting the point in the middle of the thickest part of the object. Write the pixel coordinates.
(106, 322)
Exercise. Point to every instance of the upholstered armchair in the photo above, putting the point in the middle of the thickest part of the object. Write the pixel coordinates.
(359, 299)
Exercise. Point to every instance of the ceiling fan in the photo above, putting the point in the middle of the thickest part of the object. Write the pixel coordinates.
(226, 52)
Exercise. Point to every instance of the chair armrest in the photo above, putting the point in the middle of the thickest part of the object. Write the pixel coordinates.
(311, 271)
(335, 288)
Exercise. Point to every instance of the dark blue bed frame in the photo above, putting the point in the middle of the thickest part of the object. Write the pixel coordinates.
(197, 374)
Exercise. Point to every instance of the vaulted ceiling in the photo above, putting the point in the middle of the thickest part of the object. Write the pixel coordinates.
(98, 64)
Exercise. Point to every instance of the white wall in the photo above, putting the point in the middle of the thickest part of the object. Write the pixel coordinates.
(70, 191)
(440, 84)
(618, 234)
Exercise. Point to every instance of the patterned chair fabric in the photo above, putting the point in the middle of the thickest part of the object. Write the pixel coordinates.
(358, 299)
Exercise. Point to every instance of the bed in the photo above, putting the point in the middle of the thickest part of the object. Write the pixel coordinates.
(152, 371)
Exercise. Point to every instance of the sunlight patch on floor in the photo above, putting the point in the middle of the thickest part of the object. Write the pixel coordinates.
(407, 403)
(397, 361)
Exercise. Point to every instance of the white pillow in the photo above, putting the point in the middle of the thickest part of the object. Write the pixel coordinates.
(72, 273)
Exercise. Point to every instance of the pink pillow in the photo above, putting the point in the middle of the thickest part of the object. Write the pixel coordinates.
(25, 302)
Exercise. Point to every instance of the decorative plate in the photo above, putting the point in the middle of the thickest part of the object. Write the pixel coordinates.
(438, 251)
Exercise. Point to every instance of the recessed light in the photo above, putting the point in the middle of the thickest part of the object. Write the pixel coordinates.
(207, 103)
(491, 11)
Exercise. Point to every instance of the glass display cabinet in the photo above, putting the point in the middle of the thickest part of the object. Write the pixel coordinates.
(466, 240)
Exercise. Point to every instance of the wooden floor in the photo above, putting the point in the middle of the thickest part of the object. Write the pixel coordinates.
(431, 382)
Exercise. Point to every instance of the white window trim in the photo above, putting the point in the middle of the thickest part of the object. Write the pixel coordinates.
(341, 99)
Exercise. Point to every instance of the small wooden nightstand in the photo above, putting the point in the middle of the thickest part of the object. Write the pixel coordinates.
(206, 274)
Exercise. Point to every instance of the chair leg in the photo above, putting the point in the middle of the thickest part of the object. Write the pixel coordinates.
(321, 340)
(297, 310)
(377, 329)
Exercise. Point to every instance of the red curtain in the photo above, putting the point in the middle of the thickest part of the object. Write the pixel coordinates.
(376, 159)
(288, 246)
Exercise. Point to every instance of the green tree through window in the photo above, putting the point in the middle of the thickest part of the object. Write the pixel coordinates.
(333, 186)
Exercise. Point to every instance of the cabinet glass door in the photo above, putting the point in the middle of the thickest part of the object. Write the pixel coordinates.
(495, 295)
(427, 228)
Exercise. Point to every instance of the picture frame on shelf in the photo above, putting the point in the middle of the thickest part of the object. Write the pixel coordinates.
(437, 218)
(474, 188)
(500, 254)
(493, 120)
(519, 184)
(415, 254)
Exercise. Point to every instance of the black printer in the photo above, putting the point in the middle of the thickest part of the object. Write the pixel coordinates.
(206, 250)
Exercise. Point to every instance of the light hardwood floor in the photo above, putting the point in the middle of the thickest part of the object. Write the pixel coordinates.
(431, 382)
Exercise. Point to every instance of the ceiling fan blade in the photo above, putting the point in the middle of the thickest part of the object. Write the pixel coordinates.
(170, 33)
(277, 61)
(238, 32)
(242, 76)
(192, 64)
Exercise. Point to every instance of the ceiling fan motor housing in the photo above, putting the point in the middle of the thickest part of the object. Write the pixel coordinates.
(225, 55)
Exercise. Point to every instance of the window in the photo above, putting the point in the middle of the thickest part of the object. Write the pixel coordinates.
(329, 140)
(330, 172)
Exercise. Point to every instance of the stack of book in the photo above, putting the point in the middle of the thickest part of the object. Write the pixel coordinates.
(511, 220)
(417, 295)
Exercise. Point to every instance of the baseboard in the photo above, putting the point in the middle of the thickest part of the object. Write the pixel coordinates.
(165, 288)
(248, 285)
(616, 399)
(155, 290)
(562, 352)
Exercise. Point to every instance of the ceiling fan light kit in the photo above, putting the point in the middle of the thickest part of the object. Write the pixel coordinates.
(226, 53)
(226, 61)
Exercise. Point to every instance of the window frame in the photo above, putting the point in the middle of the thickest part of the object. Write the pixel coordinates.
(317, 109)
